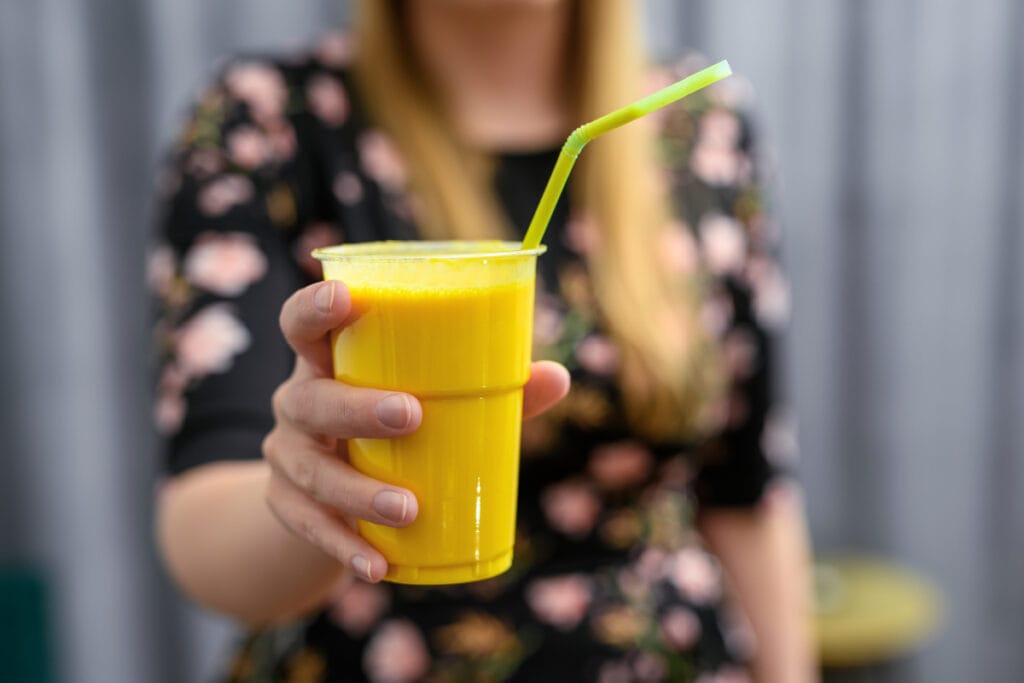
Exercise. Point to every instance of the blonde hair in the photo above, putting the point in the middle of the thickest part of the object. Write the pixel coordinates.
(669, 371)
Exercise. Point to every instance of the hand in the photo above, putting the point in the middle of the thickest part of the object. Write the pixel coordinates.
(313, 490)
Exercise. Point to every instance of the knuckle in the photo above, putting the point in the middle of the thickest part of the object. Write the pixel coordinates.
(271, 497)
(306, 476)
(293, 401)
(285, 317)
(309, 531)
(331, 544)
(299, 402)
(278, 399)
(269, 445)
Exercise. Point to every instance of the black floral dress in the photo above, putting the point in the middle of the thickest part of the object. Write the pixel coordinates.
(610, 581)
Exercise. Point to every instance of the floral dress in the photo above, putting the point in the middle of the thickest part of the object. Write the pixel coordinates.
(610, 581)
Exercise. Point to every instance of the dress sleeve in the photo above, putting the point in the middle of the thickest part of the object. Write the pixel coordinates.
(717, 183)
(222, 267)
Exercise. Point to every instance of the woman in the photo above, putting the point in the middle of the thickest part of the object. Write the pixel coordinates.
(442, 119)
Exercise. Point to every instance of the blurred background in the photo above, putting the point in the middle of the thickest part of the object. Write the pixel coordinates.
(896, 138)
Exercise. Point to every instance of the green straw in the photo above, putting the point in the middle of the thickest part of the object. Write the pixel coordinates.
(588, 131)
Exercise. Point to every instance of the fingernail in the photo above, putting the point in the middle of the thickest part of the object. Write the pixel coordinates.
(394, 411)
(361, 566)
(391, 505)
(324, 297)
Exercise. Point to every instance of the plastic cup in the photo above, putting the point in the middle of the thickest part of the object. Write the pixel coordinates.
(451, 324)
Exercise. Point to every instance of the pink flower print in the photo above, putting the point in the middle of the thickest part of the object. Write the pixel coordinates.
(771, 292)
(260, 86)
(716, 166)
(675, 473)
(168, 412)
(209, 340)
(282, 140)
(582, 234)
(779, 438)
(548, 322)
(327, 99)
(696, 576)
(204, 163)
(173, 379)
(735, 93)
(224, 263)
(717, 312)
(716, 158)
(402, 206)
(169, 408)
(649, 667)
(714, 415)
(740, 352)
(729, 674)
(651, 565)
(347, 187)
(571, 508)
(382, 161)
(680, 628)
(678, 249)
(397, 653)
(615, 672)
(248, 147)
(620, 465)
(160, 269)
(335, 50)
(738, 409)
(724, 244)
(598, 354)
(315, 236)
(560, 601)
(218, 196)
(633, 587)
(357, 606)
(719, 128)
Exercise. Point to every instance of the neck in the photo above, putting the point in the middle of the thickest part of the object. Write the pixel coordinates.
(500, 71)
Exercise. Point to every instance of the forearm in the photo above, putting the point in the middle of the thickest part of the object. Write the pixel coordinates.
(765, 553)
(226, 549)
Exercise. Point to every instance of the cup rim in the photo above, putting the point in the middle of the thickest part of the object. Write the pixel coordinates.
(425, 250)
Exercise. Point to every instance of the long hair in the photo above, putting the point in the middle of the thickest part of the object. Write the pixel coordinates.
(669, 371)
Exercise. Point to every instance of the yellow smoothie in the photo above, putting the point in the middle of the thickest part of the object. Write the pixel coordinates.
(456, 333)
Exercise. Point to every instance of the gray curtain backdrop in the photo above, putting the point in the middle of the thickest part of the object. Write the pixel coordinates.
(896, 134)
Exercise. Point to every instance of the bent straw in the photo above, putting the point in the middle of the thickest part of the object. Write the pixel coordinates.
(588, 131)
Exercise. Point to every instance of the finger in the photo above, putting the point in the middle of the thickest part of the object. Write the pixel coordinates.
(333, 482)
(309, 315)
(548, 384)
(319, 527)
(324, 406)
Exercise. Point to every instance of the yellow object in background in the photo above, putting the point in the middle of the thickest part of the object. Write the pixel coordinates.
(451, 323)
(869, 611)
